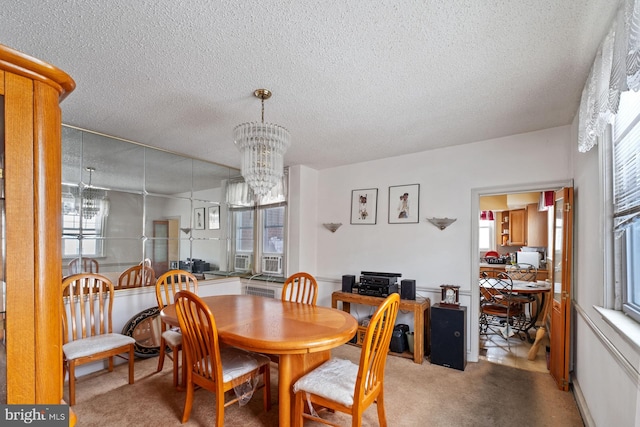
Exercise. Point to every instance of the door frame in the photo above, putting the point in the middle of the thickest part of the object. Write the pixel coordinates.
(476, 193)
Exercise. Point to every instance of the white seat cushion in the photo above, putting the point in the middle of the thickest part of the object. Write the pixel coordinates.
(172, 337)
(95, 344)
(236, 362)
(335, 380)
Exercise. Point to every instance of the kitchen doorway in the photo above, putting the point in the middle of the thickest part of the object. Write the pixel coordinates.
(504, 237)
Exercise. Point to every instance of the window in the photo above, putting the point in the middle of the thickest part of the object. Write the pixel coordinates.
(486, 239)
(243, 226)
(624, 152)
(273, 230)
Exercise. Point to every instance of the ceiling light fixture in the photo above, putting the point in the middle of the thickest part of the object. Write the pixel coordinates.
(262, 146)
(90, 198)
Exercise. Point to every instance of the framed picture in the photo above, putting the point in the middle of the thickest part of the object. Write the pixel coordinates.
(404, 201)
(198, 219)
(214, 218)
(364, 206)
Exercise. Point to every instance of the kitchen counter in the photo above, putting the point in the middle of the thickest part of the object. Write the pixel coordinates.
(542, 275)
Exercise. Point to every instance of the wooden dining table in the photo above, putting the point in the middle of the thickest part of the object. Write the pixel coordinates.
(300, 334)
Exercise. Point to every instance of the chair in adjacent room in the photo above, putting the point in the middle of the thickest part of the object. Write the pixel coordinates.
(167, 286)
(300, 287)
(526, 273)
(83, 265)
(213, 368)
(500, 312)
(136, 276)
(341, 385)
(87, 326)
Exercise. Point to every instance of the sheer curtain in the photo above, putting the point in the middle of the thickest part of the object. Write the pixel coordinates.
(616, 69)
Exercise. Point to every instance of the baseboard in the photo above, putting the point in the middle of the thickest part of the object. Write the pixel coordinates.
(582, 405)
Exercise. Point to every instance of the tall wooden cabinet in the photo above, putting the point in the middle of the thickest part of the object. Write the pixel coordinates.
(517, 231)
(536, 226)
(30, 93)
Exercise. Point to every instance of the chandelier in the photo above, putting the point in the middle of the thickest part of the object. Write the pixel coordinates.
(262, 146)
(90, 198)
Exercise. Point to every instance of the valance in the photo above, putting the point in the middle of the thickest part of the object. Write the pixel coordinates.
(616, 69)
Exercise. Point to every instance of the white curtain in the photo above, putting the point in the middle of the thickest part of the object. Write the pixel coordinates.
(616, 69)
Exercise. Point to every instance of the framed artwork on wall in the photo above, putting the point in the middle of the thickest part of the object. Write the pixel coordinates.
(364, 206)
(214, 218)
(404, 202)
(198, 218)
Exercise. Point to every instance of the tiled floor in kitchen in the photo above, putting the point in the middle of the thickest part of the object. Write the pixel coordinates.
(494, 348)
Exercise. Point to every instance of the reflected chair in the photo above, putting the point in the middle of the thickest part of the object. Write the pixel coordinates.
(167, 286)
(300, 287)
(341, 385)
(216, 369)
(500, 312)
(87, 326)
(135, 277)
(83, 265)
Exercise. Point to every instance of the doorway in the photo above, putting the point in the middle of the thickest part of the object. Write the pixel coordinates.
(495, 348)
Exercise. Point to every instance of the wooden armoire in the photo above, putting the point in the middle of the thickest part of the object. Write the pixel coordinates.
(30, 166)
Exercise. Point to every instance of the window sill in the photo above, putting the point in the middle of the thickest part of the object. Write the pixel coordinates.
(628, 328)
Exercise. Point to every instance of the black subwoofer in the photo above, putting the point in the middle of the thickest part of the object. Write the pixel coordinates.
(448, 336)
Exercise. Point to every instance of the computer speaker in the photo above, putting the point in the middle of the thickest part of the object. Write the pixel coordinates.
(348, 281)
(407, 289)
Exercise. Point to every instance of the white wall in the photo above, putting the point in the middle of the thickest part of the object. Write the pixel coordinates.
(448, 178)
(605, 364)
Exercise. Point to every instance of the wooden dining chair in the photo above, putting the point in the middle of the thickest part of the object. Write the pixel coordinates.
(135, 277)
(300, 287)
(87, 326)
(341, 385)
(167, 286)
(216, 369)
(83, 265)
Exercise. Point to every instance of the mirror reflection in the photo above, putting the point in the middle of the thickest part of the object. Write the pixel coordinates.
(126, 205)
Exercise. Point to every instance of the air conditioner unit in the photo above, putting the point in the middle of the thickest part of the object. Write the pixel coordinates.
(242, 262)
(272, 264)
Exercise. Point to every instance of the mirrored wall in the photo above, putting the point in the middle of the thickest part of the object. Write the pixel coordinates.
(125, 204)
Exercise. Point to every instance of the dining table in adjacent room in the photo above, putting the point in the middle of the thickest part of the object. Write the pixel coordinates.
(301, 335)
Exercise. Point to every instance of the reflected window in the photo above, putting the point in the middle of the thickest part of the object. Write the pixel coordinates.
(82, 236)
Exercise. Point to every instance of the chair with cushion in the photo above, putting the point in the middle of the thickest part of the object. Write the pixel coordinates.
(83, 265)
(300, 287)
(340, 385)
(166, 287)
(88, 331)
(500, 311)
(136, 276)
(216, 369)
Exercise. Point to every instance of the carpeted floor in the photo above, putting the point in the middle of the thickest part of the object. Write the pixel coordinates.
(484, 394)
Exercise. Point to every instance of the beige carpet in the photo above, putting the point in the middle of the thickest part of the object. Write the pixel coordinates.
(484, 394)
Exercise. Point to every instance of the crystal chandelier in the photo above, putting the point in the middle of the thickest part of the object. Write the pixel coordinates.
(90, 198)
(262, 146)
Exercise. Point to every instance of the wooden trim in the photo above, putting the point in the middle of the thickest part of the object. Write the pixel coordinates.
(24, 65)
(48, 250)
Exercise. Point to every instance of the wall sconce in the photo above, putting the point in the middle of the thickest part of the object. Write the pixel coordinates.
(441, 223)
(186, 230)
(332, 226)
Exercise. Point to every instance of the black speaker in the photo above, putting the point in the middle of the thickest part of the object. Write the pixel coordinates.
(408, 289)
(448, 332)
(348, 281)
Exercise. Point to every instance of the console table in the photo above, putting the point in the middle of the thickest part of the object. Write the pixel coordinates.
(419, 308)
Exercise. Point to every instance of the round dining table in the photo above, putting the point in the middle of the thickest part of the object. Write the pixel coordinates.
(300, 334)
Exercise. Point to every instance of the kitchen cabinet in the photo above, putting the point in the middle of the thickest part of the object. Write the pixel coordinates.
(517, 230)
(536, 226)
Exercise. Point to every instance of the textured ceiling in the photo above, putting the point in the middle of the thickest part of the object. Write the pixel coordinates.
(352, 80)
